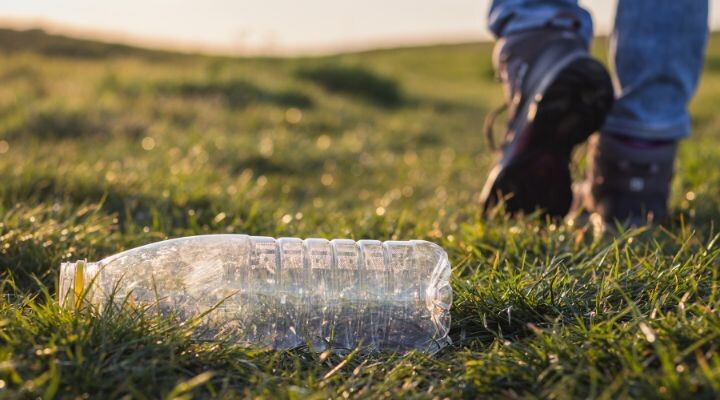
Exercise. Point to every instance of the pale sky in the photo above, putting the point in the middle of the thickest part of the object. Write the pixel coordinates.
(273, 26)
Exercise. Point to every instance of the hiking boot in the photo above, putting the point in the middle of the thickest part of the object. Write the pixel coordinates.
(556, 95)
(628, 181)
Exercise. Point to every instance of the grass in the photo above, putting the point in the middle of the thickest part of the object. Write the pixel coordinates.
(121, 147)
(354, 81)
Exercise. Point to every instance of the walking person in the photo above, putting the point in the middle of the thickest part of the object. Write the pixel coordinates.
(557, 95)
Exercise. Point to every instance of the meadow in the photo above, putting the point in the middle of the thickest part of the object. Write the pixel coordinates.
(106, 147)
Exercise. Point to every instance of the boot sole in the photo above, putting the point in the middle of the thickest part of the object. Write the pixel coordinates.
(565, 114)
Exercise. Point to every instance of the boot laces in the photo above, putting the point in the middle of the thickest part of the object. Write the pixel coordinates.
(490, 122)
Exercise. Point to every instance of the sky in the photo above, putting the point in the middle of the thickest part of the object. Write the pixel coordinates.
(273, 26)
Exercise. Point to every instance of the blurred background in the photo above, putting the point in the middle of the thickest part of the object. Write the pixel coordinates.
(106, 144)
(274, 26)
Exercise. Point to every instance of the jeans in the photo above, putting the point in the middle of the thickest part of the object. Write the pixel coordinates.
(656, 54)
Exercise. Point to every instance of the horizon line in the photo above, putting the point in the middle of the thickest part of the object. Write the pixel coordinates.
(156, 43)
(165, 44)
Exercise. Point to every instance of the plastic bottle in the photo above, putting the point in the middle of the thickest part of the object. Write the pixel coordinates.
(282, 293)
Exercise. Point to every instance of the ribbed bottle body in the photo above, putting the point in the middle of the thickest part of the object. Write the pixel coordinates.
(286, 292)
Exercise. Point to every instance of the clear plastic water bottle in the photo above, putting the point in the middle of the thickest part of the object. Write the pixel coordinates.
(282, 293)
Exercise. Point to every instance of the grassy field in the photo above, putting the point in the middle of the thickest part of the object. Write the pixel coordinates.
(103, 148)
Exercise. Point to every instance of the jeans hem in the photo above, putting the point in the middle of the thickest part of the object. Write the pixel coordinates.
(674, 130)
(519, 27)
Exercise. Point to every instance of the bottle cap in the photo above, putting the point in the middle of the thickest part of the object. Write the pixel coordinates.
(73, 281)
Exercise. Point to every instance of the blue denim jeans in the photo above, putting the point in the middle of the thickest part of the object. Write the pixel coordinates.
(656, 53)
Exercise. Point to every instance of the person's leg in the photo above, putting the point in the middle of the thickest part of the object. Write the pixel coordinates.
(556, 95)
(512, 16)
(657, 52)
